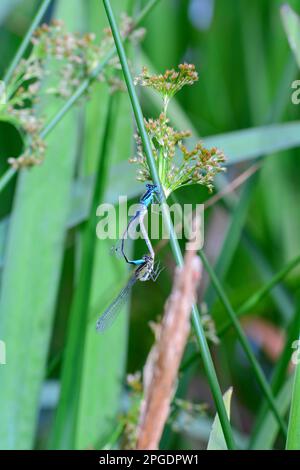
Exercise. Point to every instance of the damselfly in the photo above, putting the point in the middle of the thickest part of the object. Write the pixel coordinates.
(152, 194)
(145, 272)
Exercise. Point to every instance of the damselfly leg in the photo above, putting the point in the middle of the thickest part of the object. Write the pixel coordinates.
(157, 269)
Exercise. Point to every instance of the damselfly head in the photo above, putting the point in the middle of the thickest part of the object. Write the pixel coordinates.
(153, 187)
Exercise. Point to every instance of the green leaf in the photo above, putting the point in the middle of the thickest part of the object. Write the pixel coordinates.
(277, 382)
(291, 23)
(253, 53)
(266, 435)
(6, 8)
(216, 439)
(240, 146)
(3, 234)
(293, 438)
(30, 278)
(71, 383)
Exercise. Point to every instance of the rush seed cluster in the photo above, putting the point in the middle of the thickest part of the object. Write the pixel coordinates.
(177, 164)
(73, 57)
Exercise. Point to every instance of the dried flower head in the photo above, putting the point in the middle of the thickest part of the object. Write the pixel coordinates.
(170, 82)
(130, 419)
(74, 56)
(208, 324)
(177, 164)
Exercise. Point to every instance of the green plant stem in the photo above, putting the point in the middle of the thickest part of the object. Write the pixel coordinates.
(9, 174)
(205, 353)
(243, 340)
(251, 303)
(24, 44)
(279, 294)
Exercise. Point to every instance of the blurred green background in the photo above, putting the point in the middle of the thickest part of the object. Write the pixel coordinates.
(56, 277)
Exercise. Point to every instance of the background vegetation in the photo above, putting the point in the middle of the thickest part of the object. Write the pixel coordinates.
(56, 277)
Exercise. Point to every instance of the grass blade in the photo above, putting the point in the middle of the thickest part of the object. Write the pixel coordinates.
(258, 296)
(240, 146)
(32, 269)
(216, 439)
(291, 23)
(26, 40)
(244, 342)
(267, 433)
(293, 438)
(277, 381)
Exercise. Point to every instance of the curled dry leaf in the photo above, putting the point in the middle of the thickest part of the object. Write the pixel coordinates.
(161, 369)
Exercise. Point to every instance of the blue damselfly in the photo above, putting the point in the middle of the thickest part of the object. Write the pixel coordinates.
(152, 194)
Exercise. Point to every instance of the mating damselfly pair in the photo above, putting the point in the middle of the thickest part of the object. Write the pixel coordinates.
(146, 269)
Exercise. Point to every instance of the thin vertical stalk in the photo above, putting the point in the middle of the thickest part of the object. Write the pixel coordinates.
(258, 296)
(205, 353)
(24, 44)
(243, 340)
